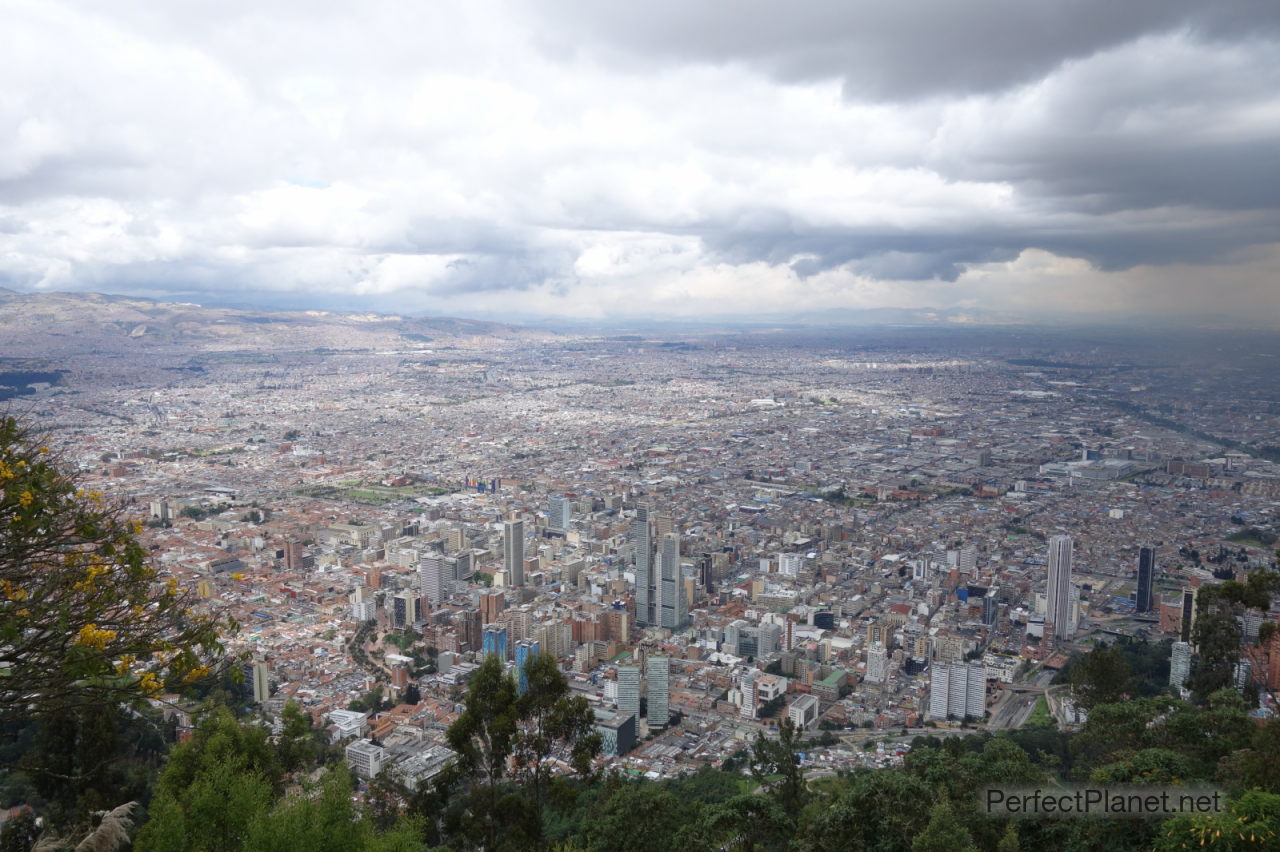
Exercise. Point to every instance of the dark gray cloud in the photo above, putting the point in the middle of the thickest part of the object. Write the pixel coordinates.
(892, 50)
(587, 157)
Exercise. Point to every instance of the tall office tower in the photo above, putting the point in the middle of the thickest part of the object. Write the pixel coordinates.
(1146, 578)
(404, 608)
(968, 562)
(749, 695)
(1058, 591)
(492, 603)
(629, 694)
(707, 573)
(1179, 664)
(431, 579)
(642, 544)
(1188, 613)
(494, 639)
(920, 568)
(294, 553)
(659, 705)
(526, 650)
(664, 523)
(261, 681)
(877, 664)
(513, 552)
(673, 608)
(990, 607)
(560, 513)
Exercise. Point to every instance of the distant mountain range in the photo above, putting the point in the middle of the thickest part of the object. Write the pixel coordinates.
(38, 324)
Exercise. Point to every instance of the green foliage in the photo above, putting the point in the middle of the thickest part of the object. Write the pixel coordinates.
(83, 618)
(1250, 822)
(880, 812)
(499, 724)
(325, 822)
(1101, 677)
(775, 765)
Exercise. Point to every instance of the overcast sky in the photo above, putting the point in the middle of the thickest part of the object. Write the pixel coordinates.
(599, 159)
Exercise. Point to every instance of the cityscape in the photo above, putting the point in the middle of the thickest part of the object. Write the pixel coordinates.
(628, 427)
(870, 532)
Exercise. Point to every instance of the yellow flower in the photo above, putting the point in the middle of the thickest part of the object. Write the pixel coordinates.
(92, 636)
(44, 451)
(150, 684)
(195, 674)
(27, 499)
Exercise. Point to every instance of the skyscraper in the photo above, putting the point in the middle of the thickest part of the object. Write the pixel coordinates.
(526, 650)
(642, 544)
(629, 694)
(1146, 578)
(990, 607)
(877, 664)
(261, 681)
(659, 704)
(1179, 664)
(431, 579)
(673, 607)
(513, 552)
(560, 513)
(957, 690)
(495, 641)
(1058, 591)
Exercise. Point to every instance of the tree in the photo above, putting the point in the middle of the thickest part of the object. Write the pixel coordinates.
(213, 788)
(1216, 634)
(484, 735)
(1100, 677)
(299, 745)
(1250, 822)
(745, 822)
(549, 715)
(84, 618)
(943, 833)
(773, 758)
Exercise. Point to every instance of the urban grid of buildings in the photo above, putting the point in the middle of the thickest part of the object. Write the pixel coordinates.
(708, 537)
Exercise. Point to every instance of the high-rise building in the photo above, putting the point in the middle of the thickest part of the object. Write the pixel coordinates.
(492, 603)
(641, 537)
(404, 608)
(990, 607)
(1179, 664)
(1188, 613)
(1058, 591)
(790, 564)
(659, 704)
(431, 579)
(494, 641)
(513, 552)
(560, 513)
(968, 559)
(673, 607)
(629, 694)
(294, 553)
(526, 650)
(957, 690)
(1146, 579)
(261, 681)
(877, 663)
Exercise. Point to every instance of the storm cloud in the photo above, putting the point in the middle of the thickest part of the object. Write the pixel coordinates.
(599, 159)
